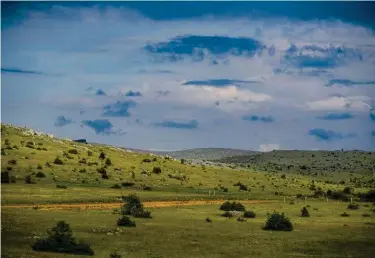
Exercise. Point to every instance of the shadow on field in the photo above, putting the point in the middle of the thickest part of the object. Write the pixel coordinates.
(358, 245)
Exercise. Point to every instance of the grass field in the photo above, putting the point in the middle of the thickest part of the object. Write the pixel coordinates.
(175, 230)
(183, 232)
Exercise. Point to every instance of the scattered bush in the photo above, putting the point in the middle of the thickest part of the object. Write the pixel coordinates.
(58, 161)
(234, 206)
(108, 162)
(29, 179)
(345, 214)
(92, 164)
(125, 221)
(89, 153)
(101, 170)
(114, 255)
(127, 184)
(82, 170)
(7, 178)
(353, 206)
(105, 176)
(40, 174)
(147, 188)
(133, 206)
(368, 197)
(142, 214)
(116, 186)
(278, 222)
(249, 214)
(3, 153)
(60, 239)
(48, 165)
(72, 151)
(146, 160)
(365, 215)
(241, 219)
(337, 195)
(227, 214)
(82, 161)
(156, 170)
(208, 220)
(305, 212)
(347, 190)
(12, 162)
(39, 166)
(61, 186)
(102, 155)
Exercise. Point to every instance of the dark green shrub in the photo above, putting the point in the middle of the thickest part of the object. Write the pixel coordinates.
(147, 188)
(39, 167)
(48, 165)
(141, 214)
(232, 206)
(337, 195)
(133, 206)
(40, 174)
(156, 170)
(365, 215)
(353, 206)
(89, 153)
(58, 161)
(208, 220)
(344, 214)
(82, 161)
(3, 153)
(347, 190)
(105, 176)
(60, 239)
(305, 212)
(182, 161)
(12, 162)
(146, 160)
(227, 214)
(72, 151)
(127, 184)
(116, 186)
(108, 162)
(92, 163)
(278, 222)
(114, 255)
(29, 179)
(102, 155)
(101, 170)
(82, 170)
(5, 177)
(368, 197)
(61, 186)
(241, 219)
(249, 214)
(125, 221)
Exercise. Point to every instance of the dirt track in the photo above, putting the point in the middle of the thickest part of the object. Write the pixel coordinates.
(113, 205)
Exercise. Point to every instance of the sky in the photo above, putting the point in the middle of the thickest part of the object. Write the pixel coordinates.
(179, 75)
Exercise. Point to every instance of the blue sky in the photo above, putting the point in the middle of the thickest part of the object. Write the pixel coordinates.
(176, 75)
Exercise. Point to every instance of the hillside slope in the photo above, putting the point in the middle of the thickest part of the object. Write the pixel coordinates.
(315, 163)
(43, 169)
(207, 153)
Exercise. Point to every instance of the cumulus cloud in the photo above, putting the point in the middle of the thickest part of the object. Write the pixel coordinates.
(118, 109)
(212, 69)
(193, 124)
(267, 147)
(329, 135)
(100, 92)
(336, 116)
(62, 121)
(255, 118)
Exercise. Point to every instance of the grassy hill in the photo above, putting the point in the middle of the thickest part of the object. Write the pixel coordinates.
(349, 166)
(38, 169)
(207, 153)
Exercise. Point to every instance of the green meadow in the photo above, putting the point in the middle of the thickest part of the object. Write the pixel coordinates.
(38, 169)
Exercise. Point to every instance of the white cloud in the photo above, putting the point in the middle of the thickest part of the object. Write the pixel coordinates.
(268, 147)
(356, 103)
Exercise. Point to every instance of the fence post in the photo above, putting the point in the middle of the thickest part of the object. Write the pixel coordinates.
(284, 199)
(327, 199)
